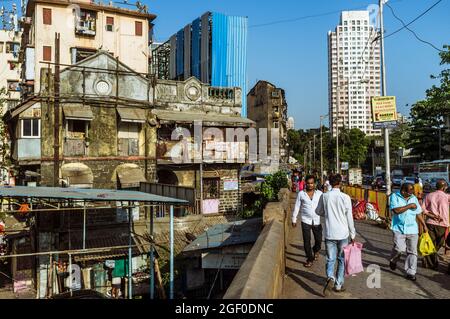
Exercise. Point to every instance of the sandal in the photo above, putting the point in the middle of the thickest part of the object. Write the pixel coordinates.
(308, 264)
(316, 256)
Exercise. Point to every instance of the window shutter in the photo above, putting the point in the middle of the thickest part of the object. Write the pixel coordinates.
(47, 52)
(138, 28)
(47, 14)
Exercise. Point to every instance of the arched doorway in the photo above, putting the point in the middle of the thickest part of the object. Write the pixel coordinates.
(166, 176)
(77, 175)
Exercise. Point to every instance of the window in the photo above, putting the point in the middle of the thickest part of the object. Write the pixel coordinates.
(276, 124)
(13, 86)
(1, 46)
(211, 188)
(47, 16)
(128, 139)
(31, 128)
(83, 53)
(12, 47)
(47, 53)
(109, 23)
(138, 28)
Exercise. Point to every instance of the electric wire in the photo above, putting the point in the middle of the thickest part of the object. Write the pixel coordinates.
(414, 33)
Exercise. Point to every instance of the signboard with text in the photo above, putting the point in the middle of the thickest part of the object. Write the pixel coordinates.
(384, 112)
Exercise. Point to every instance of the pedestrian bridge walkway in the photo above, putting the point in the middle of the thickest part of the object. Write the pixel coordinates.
(289, 279)
(307, 283)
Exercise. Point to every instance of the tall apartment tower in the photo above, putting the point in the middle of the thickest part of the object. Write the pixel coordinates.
(354, 72)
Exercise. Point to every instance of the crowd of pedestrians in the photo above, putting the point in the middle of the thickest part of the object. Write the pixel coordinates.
(326, 215)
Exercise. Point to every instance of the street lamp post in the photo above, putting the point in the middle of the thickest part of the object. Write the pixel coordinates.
(386, 130)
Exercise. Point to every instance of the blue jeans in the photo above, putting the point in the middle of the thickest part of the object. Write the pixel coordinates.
(335, 250)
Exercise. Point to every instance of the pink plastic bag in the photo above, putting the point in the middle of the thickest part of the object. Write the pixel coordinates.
(353, 259)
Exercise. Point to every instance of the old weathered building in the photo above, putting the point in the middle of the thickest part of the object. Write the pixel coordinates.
(84, 26)
(267, 106)
(116, 130)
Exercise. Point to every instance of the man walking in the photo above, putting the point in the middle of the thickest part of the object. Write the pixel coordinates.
(406, 209)
(336, 207)
(435, 208)
(307, 201)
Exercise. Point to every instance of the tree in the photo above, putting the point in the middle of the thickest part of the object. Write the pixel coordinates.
(428, 132)
(353, 146)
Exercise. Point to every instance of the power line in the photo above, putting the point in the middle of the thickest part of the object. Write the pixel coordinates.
(420, 16)
(406, 27)
(311, 16)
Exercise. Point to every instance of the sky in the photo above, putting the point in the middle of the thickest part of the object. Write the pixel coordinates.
(293, 54)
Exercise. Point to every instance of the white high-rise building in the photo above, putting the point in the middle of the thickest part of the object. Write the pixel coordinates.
(290, 125)
(354, 68)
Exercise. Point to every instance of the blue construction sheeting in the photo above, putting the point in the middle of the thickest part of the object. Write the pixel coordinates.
(195, 57)
(229, 53)
(101, 195)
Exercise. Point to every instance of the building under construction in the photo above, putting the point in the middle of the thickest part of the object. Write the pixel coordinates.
(213, 48)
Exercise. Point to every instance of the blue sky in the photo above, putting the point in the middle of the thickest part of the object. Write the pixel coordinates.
(293, 55)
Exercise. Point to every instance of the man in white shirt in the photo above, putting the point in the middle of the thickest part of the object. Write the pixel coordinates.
(306, 204)
(336, 207)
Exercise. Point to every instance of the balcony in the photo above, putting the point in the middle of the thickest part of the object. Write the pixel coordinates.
(29, 149)
(86, 25)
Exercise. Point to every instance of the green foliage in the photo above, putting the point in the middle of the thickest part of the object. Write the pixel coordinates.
(272, 186)
(429, 116)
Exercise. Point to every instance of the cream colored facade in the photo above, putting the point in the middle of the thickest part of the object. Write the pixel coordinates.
(122, 39)
(9, 67)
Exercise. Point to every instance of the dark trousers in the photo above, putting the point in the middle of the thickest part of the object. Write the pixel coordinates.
(317, 233)
(437, 234)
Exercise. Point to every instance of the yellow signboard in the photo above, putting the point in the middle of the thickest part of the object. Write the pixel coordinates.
(384, 109)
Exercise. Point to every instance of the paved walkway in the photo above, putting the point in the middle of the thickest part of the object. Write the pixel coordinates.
(307, 283)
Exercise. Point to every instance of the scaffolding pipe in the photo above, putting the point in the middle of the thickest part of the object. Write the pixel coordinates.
(152, 257)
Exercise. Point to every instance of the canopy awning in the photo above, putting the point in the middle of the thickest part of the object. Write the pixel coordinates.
(78, 112)
(130, 175)
(210, 119)
(133, 115)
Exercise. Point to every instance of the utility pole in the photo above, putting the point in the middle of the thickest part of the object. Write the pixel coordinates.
(383, 76)
(373, 161)
(321, 150)
(56, 114)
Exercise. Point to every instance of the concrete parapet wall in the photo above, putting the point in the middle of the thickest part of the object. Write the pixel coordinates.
(261, 276)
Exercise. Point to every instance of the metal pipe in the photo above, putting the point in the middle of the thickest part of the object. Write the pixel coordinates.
(56, 88)
(152, 257)
(70, 274)
(130, 256)
(84, 226)
(171, 253)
